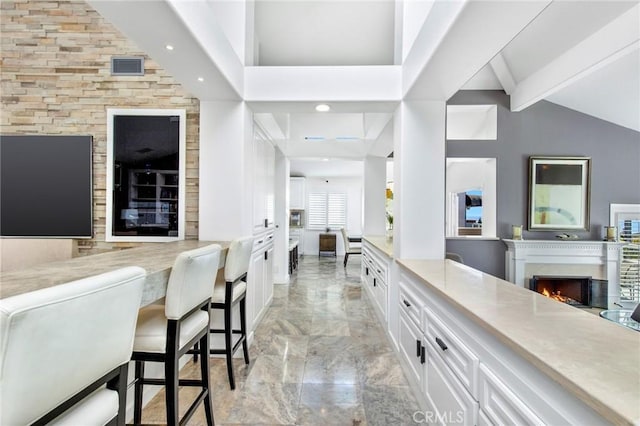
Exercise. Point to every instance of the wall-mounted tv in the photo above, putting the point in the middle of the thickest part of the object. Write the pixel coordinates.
(46, 186)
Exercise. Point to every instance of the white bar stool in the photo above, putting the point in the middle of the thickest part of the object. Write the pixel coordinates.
(165, 333)
(60, 345)
(228, 293)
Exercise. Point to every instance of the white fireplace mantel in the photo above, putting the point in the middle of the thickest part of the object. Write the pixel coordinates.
(573, 252)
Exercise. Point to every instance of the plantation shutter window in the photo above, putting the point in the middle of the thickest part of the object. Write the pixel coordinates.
(317, 218)
(327, 210)
(630, 260)
(336, 210)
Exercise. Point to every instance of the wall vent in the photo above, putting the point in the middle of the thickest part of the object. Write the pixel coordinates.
(127, 65)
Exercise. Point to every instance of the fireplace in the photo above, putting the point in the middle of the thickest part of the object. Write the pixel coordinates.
(581, 292)
(598, 259)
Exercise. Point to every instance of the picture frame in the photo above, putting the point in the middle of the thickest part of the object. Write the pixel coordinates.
(559, 193)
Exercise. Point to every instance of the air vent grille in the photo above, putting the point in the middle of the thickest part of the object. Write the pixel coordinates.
(127, 65)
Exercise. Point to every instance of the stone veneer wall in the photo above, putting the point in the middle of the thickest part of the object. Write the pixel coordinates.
(55, 72)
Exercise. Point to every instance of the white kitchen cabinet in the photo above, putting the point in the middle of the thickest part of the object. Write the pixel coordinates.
(263, 182)
(476, 375)
(412, 348)
(268, 276)
(297, 193)
(452, 402)
(500, 405)
(458, 357)
(259, 279)
(375, 268)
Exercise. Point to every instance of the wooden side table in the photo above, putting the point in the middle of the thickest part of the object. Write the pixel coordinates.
(327, 244)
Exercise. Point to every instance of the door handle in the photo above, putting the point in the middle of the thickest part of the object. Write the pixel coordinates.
(407, 304)
(442, 345)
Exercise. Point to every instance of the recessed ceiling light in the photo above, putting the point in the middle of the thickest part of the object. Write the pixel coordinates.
(200, 79)
(325, 159)
(323, 108)
(169, 47)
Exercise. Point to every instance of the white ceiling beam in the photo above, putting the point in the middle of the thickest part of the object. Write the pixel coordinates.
(323, 84)
(503, 73)
(476, 32)
(374, 123)
(152, 25)
(269, 125)
(323, 149)
(611, 42)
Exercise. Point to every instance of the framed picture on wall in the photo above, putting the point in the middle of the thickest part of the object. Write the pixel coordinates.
(559, 193)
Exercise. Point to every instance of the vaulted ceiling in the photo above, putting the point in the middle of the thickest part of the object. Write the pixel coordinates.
(283, 57)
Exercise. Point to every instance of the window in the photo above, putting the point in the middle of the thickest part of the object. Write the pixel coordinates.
(627, 218)
(471, 198)
(327, 210)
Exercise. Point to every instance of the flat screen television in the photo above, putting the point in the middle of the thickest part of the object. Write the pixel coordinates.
(46, 186)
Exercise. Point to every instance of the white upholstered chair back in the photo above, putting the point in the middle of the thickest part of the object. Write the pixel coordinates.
(191, 281)
(57, 341)
(345, 239)
(238, 258)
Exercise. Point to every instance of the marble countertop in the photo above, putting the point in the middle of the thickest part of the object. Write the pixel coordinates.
(605, 374)
(382, 243)
(156, 258)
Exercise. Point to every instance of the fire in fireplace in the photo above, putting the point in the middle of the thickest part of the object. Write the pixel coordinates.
(580, 292)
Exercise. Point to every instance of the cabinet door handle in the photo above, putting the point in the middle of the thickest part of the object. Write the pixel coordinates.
(266, 223)
(418, 347)
(366, 271)
(407, 304)
(260, 241)
(442, 345)
(423, 355)
(374, 282)
(266, 255)
(379, 271)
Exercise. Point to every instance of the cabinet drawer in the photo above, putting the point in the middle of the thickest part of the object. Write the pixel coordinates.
(410, 305)
(500, 404)
(452, 402)
(455, 354)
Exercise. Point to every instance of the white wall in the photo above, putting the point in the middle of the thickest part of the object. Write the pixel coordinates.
(281, 209)
(21, 253)
(353, 187)
(225, 189)
(375, 182)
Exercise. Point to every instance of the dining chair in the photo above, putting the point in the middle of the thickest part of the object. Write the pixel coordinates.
(349, 247)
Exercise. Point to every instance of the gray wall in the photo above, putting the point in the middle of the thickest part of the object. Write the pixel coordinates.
(546, 129)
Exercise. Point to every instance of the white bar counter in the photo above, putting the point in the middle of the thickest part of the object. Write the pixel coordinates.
(596, 360)
(156, 258)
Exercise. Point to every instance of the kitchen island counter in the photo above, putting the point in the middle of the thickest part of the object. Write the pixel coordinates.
(156, 258)
(595, 360)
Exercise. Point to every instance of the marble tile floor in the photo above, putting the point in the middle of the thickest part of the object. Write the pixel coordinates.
(319, 357)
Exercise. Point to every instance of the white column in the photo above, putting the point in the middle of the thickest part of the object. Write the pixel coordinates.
(375, 173)
(281, 208)
(225, 187)
(612, 274)
(419, 170)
